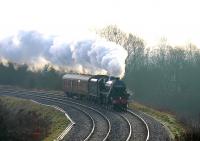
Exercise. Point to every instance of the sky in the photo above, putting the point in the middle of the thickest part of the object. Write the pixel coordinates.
(176, 20)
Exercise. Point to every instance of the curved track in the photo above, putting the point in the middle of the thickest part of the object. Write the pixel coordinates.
(92, 121)
(94, 125)
(129, 127)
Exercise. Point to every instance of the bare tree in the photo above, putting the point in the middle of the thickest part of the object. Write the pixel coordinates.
(131, 43)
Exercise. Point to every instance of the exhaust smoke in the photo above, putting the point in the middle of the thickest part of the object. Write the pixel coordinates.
(86, 55)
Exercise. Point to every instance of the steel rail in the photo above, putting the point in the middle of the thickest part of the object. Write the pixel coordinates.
(68, 128)
(43, 92)
(87, 114)
(140, 118)
(130, 127)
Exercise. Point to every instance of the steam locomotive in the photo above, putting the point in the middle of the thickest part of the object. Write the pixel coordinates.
(106, 90)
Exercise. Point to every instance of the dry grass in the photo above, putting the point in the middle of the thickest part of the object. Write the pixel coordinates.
(168, 120)
(58, 121)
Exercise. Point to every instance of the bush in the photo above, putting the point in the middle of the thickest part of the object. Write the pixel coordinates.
(192, 131)
(20, 124)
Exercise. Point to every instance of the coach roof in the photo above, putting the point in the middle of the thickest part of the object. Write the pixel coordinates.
(77, 76)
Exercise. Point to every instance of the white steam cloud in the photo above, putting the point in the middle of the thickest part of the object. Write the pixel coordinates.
(91, 55)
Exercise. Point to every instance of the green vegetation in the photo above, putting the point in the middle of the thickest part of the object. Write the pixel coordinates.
(167, 119)
(48, 78)
(25, 120)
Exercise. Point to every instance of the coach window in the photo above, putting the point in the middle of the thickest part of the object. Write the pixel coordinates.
(71, 84)
(78, 84)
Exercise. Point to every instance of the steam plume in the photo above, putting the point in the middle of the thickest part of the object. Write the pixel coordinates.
(90, 55)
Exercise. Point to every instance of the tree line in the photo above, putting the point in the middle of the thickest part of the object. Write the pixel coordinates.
(163, 75)
(47, 78)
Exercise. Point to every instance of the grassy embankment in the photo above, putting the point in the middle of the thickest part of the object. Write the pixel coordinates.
(20, 113)
(167, 119)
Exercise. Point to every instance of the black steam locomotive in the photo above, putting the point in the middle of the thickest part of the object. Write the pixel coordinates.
(106, 90)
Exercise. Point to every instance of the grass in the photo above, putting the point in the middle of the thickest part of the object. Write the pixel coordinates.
(57, 119)
(167, 119)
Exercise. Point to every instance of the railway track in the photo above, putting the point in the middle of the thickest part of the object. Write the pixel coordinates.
(96, 118)
(129, 127)
(140, 130)
(84, 119)
(134, 127)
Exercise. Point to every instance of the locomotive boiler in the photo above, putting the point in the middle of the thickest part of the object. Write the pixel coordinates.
(106, 90)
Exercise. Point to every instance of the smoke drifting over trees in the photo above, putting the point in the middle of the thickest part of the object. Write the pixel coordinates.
(91, 55)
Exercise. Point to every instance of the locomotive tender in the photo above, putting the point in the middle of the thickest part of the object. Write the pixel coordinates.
(106, 90)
